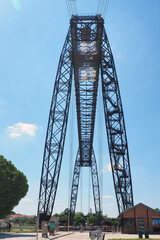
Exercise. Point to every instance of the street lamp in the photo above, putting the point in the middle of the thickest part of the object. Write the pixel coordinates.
(39, 201)
(68, 218)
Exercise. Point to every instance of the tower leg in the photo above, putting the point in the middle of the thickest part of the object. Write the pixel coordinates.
(115, 126)
(95, 184)
(75, 184)
(56, 132)
(74, 190)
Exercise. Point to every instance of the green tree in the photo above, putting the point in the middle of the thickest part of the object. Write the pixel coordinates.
(90, 212)
(65, 212)
(13, 213)
(56, 215)
(78, 220)
(157, 209)
(64, 220)
(116, 223)
(13, 186)
(30, 222)
(17, 220)
(110, 222)
(92, 220)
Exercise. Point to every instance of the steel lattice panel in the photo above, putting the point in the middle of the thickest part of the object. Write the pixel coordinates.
(86, 50)
(117, 139)
(56, 131)
(86, 42)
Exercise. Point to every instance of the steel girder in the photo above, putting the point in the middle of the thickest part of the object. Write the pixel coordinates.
(95, 185)
(115, 126)
(86, 46)
(56, 132)
(86, 49)
(75, 185)
(86, 42)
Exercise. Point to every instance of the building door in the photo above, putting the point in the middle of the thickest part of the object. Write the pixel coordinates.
(141, 224)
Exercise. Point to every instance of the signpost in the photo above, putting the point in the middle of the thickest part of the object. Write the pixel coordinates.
(51, 228)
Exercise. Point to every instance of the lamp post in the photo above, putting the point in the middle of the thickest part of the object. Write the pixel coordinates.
(39, 201)
(68, 218)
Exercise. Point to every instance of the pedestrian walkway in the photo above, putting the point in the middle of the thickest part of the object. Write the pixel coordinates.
(68, 236)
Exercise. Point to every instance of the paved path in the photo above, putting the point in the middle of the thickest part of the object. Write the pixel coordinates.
(66, 236)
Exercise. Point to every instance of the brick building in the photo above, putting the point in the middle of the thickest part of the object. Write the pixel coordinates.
(140, 217)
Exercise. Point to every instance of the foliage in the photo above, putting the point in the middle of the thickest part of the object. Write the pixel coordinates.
(92, 220)
(157, 209)
(64, 220)
(115, 223)
(90, 212)
(17, 220)
(78, 220)
(64, 217)
(57, 215)
(65, 212)
(110, 222)
(13, 186)
(12, 212)
(25, 221)
(30, 222)
(80, 213)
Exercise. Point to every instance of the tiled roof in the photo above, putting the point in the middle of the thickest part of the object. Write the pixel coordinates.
(20, 216)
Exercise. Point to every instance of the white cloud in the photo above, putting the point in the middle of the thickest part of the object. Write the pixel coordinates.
(20, 129)
(107, 168)
(16, 4)
(27, 200)
(26, 206)
(106, 196)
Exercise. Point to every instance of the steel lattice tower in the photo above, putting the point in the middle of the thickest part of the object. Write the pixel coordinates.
(86, 54)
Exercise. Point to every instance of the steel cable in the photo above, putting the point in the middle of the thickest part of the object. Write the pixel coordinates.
(68, 10)
(81, 190)
(89, 190)
(105, 8)
(102, 7)
(71, 7)
(71, 141)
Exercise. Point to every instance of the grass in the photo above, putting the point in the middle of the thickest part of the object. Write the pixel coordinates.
(135, 238)
(23, 230)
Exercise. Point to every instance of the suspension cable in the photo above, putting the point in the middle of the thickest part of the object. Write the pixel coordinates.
(100, 145)
(81, 190)
(71, 141)
(102, 7)
(89, 189)
(102, 142)
(68, 9)
(98, 6)
(71, 7)
(105, 8)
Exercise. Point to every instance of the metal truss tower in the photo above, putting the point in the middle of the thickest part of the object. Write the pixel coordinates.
(86, 55)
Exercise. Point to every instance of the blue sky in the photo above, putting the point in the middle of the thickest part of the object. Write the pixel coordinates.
(32, 33)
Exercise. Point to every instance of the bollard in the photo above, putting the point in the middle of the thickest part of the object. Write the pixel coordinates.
(146, 234)
(44, 229)
(140, 234)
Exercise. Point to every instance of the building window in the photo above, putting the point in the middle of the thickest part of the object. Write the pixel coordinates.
(141, 223)
(128, 222)
(156, 225)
